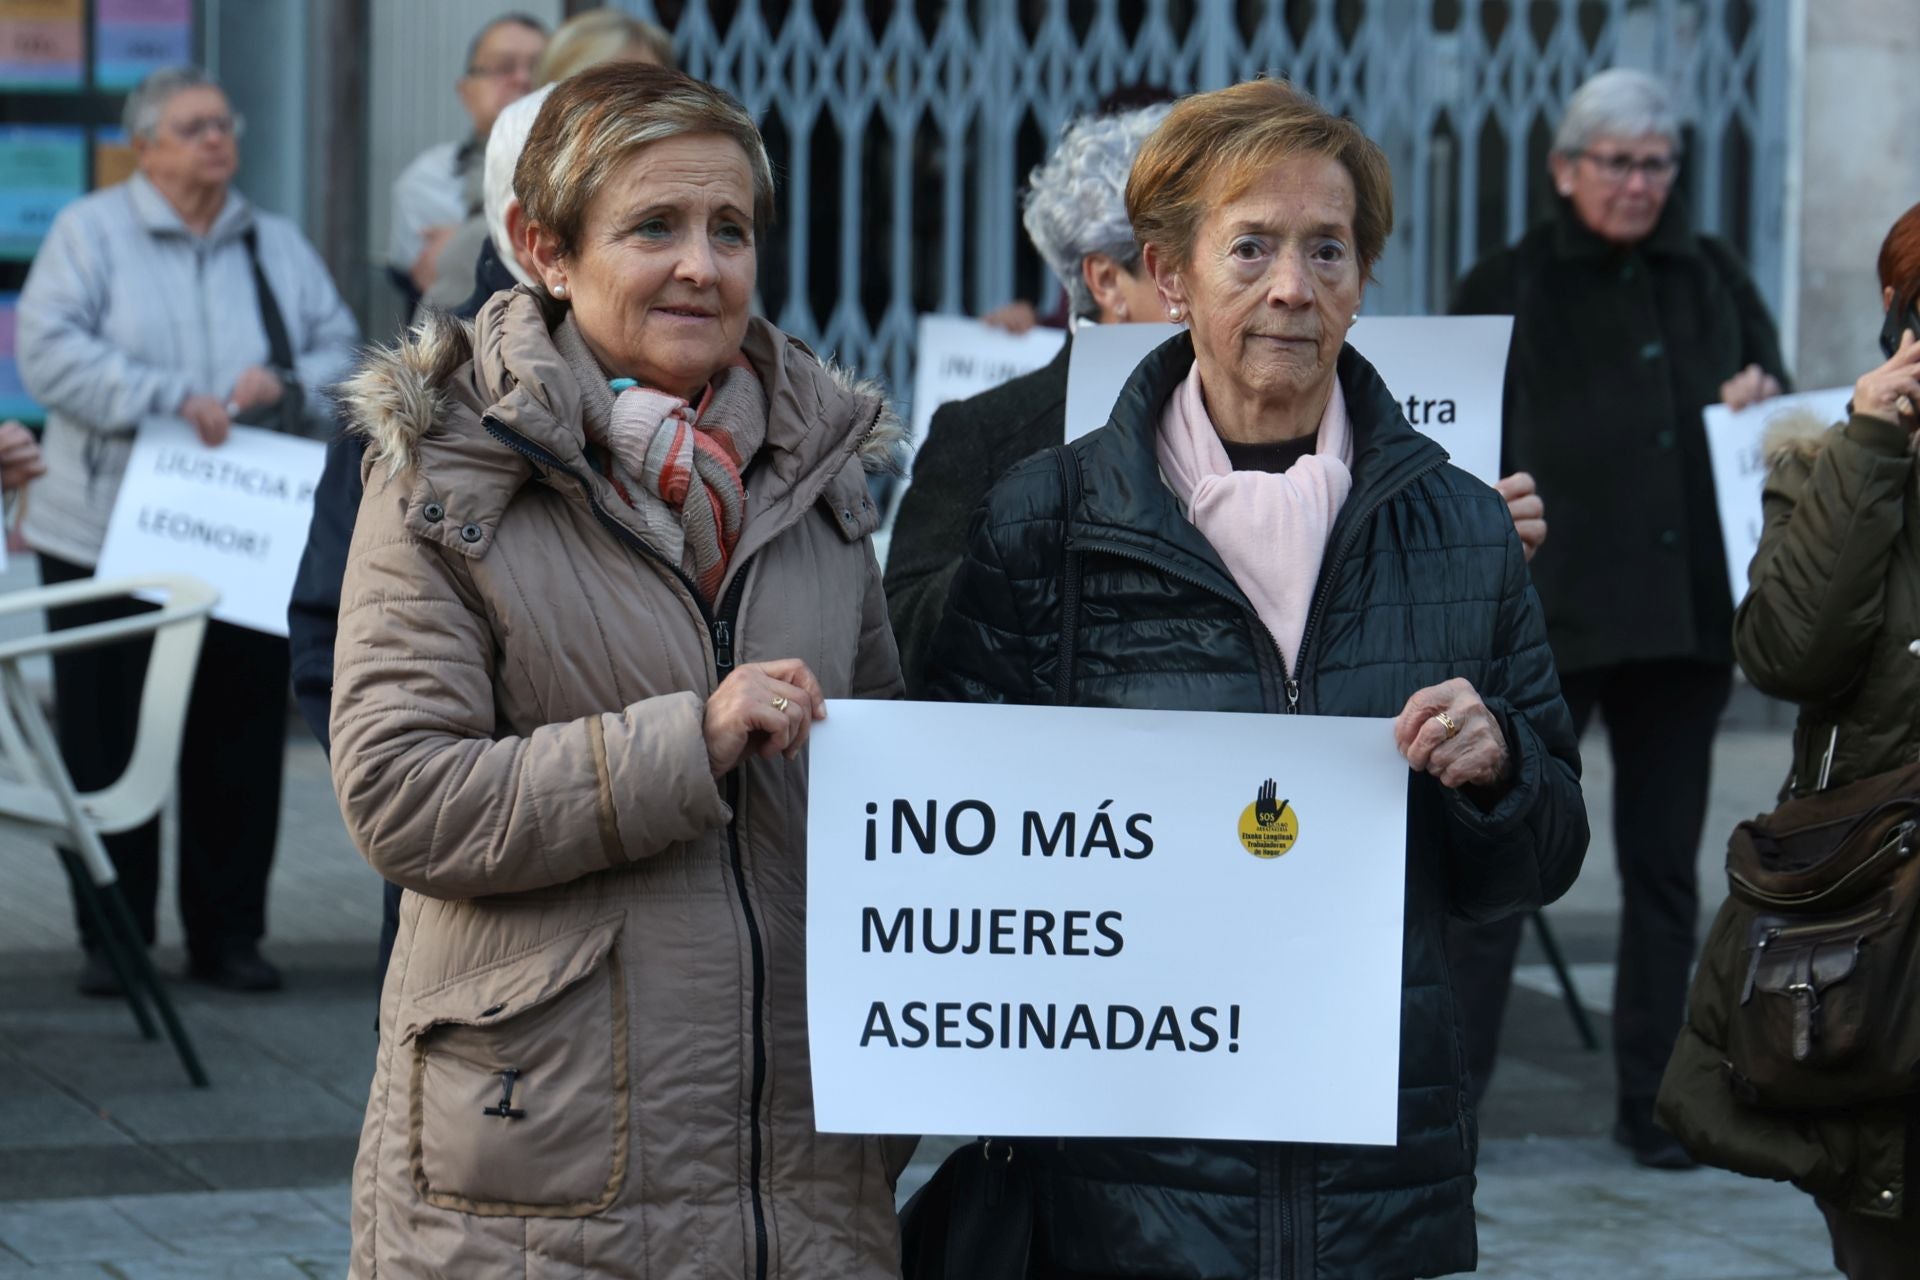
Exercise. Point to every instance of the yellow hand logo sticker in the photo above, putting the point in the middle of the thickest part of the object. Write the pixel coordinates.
(1269, 826)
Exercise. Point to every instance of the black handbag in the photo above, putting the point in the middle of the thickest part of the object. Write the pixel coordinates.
(1824, 914)
(974, 1218)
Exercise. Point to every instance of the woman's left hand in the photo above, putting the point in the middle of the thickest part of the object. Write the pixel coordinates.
(1749, 386)
(1472, 753)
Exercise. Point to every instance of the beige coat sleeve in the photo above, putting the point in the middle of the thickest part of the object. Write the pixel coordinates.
(434, 799)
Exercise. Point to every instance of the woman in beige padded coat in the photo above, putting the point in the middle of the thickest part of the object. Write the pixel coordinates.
(613, 557)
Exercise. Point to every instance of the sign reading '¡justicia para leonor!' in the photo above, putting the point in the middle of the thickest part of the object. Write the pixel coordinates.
(235, 516)
(1060, 921)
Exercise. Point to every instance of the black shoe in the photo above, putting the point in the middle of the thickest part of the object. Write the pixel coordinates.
(1651, 1145)
(97, 977)
(234, 966)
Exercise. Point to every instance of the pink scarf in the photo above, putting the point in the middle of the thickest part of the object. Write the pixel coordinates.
(1269, 529)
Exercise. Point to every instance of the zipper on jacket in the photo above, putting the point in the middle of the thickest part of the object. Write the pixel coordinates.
(720, 627)
(723, 650)
(1332, 567)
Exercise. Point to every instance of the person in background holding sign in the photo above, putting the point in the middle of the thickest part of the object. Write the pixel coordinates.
(440, 189)
(612, 559)
(171, 294)
(1626, 325)
(1829, 622)
(1076, 216)
(1258, 529)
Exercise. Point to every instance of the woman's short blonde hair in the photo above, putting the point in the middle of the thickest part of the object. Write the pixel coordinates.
(592, 123)
(1214, 146)
(596, 36)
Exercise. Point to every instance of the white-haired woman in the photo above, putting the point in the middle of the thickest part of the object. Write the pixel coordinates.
(1076, 216)
(170, 294)
(1626, 325)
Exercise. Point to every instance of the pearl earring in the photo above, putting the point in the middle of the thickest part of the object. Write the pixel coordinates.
(560, 291)
(1173, 314)
(1354, 318)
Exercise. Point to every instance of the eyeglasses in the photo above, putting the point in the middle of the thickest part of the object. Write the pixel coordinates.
(232, 126)
(1616, 167)
(519, 67)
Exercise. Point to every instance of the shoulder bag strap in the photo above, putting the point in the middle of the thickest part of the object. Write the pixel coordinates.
(288, 415)
(279, 347)
(1069, 463)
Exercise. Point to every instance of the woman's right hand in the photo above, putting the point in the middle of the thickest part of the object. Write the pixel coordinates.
(1892, 391)
(209, 418)
(762, 707)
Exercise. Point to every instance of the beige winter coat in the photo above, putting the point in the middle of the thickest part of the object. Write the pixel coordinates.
(519, 687)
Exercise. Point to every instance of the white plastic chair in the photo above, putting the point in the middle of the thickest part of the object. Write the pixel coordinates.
(37, 792)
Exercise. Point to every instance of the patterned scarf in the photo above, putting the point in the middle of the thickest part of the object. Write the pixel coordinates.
(656, 448)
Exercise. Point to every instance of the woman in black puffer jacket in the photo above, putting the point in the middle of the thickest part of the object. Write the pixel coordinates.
(1260, 215)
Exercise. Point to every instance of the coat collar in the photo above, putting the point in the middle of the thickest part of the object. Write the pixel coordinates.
(467, 410)
(1125, 501)
(1670, 237)
(158, 217)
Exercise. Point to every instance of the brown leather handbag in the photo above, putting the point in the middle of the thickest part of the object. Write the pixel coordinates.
(1827, 893)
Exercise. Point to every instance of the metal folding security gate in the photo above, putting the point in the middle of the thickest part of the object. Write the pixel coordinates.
(902, 133)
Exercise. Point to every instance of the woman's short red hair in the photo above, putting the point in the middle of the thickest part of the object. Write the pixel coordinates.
(1900, 258)
(1213, 146)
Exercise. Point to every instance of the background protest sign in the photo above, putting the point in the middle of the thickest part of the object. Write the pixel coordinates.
(958, 357)
(955, 358)
(235, 516)
(1448, 373)
(1104, 923)
(1740, 472)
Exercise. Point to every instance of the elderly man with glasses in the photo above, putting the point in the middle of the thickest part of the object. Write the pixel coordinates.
(1627, 324)
(170, 294)
(441, 188)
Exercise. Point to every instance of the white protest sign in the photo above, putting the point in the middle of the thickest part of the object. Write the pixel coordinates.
(1740, 472)
(1448, 373)
(1104, 357)
(1082, 922)
(235, 516)
(958, 357)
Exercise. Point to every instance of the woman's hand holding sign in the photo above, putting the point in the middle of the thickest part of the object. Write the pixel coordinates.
(1448, 732)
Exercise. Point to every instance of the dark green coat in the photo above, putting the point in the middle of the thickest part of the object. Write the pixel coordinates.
(1615, 353)
(1830, 618)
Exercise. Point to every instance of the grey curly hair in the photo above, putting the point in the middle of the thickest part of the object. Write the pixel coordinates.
(1077, 199)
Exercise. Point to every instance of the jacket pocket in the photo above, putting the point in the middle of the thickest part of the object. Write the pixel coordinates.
(519, 1091)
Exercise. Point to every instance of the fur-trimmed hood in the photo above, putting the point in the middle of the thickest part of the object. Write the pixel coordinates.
(400, 391)
(1797, 433)
(475, 412)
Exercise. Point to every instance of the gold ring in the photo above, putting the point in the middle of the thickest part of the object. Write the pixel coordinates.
(1448, 723)
(780, 702)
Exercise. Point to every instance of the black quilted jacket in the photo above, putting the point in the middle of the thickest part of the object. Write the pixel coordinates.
(1423, 580)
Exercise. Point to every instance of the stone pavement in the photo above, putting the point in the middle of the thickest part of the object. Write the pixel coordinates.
(111, 1166)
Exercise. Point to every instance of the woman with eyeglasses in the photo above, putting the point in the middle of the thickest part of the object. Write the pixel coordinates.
(1626, 325)
(171, 295)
